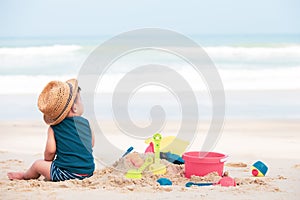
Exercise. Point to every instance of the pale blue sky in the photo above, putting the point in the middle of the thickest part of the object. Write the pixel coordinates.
(39, 18)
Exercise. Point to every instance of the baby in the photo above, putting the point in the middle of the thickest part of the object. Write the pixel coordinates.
(68, 152)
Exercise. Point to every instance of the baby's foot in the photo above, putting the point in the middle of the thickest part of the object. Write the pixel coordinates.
(15, 175)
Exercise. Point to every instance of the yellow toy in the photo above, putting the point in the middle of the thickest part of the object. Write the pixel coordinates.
(171, 144)
(157, 167)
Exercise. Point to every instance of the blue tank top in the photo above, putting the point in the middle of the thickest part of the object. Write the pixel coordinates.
(73, 138)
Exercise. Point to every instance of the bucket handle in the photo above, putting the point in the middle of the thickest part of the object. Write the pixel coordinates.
(224, 159)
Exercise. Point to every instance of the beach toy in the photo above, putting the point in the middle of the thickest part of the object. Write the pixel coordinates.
(137, 173)
(164, 181)
(227, 181)
(201, 163)
(173, 158)
(128, 151)
(150, 148)
(189, 184)
(157, 167)
(171, 144)
(259, 169)
(224, 181)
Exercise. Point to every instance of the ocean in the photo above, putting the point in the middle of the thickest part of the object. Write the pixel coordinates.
(260, 74)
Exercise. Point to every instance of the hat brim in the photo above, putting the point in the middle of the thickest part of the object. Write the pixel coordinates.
(65, 113)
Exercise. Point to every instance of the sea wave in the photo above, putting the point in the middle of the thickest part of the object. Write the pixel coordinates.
(28, 69)
(273, 55)
(42, 60)
(39, 50)
(57, 59)
(23, 84)
(241, 80)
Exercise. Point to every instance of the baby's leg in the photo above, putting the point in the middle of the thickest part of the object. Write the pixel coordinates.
(39, 167)
(15, 175)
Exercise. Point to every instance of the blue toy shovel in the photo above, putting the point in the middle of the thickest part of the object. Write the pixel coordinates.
(128, 151)
(225, 181)
(189, 184)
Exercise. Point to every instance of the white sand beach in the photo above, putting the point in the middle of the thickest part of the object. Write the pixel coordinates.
(276, 143)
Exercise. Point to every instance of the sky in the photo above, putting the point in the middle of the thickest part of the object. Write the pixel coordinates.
(36, 18)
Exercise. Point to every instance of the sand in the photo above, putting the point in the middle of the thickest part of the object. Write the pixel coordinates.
(276, 143)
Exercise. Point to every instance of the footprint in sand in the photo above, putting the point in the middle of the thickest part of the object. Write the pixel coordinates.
(297, 166)
(11, 165)
(236, 164)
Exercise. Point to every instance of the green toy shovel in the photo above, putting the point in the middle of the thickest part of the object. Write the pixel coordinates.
(157, 167)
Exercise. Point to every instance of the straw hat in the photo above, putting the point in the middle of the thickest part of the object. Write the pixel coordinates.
(56, 100)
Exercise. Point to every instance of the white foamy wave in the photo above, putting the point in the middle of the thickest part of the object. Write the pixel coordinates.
(28, 69)
(39, 50)
(242, 79)
(20, 84)
(249, 79)
(290, 53)
(233, 79)
(66, 59)
(261, 79)
(43, 60)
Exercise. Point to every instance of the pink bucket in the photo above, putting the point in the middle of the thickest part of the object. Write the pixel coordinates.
(202, 163)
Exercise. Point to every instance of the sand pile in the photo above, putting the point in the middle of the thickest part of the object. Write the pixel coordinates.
(113, 178)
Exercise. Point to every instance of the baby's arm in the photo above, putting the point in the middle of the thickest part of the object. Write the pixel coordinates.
(93, 138)
(50, 146)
